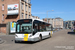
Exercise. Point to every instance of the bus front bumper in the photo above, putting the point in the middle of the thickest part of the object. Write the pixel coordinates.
(29, 39)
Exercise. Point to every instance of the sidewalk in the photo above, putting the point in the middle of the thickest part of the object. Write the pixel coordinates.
(1, 41)
(2, 34)
(57, 30)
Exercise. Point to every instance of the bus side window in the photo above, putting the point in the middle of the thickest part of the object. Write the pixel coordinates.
(34, 29)
(22, 29)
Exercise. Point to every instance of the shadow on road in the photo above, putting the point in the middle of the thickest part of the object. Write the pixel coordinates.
(73, 33)
(29, 42)
(22, 42)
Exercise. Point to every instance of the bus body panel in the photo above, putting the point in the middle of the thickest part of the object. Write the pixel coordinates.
(22, 37)
(30, 37)
(45, 34)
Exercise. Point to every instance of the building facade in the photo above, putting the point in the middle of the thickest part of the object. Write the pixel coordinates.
(69, 24)
(35, 17)
(13, 10)
(56, 22)
(64, 24)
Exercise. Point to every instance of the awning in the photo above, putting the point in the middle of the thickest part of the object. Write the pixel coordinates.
(13, 14)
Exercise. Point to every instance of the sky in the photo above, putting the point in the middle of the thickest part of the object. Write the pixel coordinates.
(64, 9)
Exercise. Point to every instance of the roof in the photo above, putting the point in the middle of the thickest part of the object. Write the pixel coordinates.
(36, 19)
(58, 18)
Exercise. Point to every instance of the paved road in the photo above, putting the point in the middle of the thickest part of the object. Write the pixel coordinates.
(60, 41)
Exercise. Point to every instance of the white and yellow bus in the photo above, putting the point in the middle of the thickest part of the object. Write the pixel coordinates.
(32, 30)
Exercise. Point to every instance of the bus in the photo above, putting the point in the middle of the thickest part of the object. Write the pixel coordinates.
(32, 30)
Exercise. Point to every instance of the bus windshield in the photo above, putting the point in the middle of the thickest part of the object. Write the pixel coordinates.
(24, 28)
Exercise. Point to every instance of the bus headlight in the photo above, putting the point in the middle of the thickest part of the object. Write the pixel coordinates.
(30, 36)
(16, 36)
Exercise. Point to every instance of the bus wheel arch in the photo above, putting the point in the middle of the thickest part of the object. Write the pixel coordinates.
(50, 35)
(40, 37)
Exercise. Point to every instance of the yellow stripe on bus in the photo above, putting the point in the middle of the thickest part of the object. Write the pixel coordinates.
(25, 37)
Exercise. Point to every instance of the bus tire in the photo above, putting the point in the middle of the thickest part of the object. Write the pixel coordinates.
(40, 37)
(49, 35)
(16, 41)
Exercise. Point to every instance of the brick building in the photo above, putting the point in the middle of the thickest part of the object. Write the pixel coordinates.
(12, 10)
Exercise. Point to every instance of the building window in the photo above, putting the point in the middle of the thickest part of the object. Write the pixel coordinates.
(21, 0)
(22, 6)
(26, 16)
(22, 15)
(29, 17)
(29, 9)
(2, 0)
(2, 7)
(26, 7)
(2, 17)
(28, 1)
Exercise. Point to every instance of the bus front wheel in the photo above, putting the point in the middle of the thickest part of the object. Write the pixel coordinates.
(16, 41)
(50, 35)
(40, 37)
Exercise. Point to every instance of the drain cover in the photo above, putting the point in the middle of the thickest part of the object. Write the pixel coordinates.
(1, 41)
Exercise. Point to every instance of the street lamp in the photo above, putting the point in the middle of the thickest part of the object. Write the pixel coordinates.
(47, 14)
